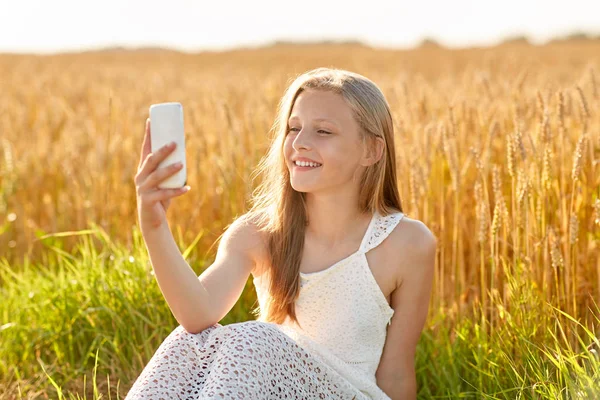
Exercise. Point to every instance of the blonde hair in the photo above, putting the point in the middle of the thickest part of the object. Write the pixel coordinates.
(280, 211)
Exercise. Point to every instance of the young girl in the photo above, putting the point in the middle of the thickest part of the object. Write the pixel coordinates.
(343, 276)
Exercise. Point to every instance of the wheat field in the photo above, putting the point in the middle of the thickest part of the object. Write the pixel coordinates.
(498, 153)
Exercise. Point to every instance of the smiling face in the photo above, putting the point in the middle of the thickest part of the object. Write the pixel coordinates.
(322, 128)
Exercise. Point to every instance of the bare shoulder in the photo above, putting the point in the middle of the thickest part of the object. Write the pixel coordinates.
(415, 242)
(411, 232)
(243, 235)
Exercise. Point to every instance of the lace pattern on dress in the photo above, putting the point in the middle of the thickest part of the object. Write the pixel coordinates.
(248, 360)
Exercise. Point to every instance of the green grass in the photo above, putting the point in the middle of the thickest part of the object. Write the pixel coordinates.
(83, 325)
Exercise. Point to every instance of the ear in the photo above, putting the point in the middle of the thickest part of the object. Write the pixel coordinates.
(373, 150)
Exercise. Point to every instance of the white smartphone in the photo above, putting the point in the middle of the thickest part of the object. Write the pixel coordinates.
(166, 125)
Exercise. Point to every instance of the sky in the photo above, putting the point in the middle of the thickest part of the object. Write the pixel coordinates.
(28, 26)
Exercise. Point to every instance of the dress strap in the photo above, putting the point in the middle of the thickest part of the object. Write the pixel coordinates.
(381, 227)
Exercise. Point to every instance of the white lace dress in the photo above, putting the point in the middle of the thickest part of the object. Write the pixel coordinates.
(333, 355)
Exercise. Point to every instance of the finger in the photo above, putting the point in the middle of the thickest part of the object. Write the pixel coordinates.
(147, 138)
(146, 144)
(149, 174)
(160, 174)
(163, 194)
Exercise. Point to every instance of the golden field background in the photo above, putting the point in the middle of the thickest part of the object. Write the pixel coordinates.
(498, 153)
(72, 125)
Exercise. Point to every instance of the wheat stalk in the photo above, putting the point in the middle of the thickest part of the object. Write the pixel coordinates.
(596, 215)
(577, 157)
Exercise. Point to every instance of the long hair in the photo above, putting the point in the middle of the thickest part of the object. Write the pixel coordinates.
(280, 212)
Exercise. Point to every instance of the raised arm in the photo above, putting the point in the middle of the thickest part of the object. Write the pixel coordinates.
(199, 302)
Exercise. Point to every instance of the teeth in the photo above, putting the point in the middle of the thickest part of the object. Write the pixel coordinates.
(306, 164)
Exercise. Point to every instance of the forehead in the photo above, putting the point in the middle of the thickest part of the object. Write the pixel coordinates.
(321, 106)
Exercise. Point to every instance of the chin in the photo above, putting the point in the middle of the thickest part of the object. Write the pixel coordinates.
(301, 189)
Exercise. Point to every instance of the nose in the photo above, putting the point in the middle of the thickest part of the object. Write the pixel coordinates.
(301, 141)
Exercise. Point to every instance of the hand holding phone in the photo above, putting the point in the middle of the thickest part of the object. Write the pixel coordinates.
(154, 170)
(166, 121)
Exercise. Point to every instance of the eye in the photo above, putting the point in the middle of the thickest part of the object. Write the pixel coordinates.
(320, 130)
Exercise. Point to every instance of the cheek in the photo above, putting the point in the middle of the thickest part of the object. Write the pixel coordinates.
(340, 156)
(287, 147)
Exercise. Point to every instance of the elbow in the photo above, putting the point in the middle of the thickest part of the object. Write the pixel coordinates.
(196, 319)
(191, 329)
(198, 324)
(195, 328)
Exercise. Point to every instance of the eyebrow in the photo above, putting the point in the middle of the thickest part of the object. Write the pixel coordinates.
(316, 119)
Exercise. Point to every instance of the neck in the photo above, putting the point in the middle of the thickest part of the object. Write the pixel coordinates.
(334, 221)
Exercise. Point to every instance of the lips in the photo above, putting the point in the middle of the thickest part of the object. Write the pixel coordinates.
(306, 162)
(306, 168)
(304, 159)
